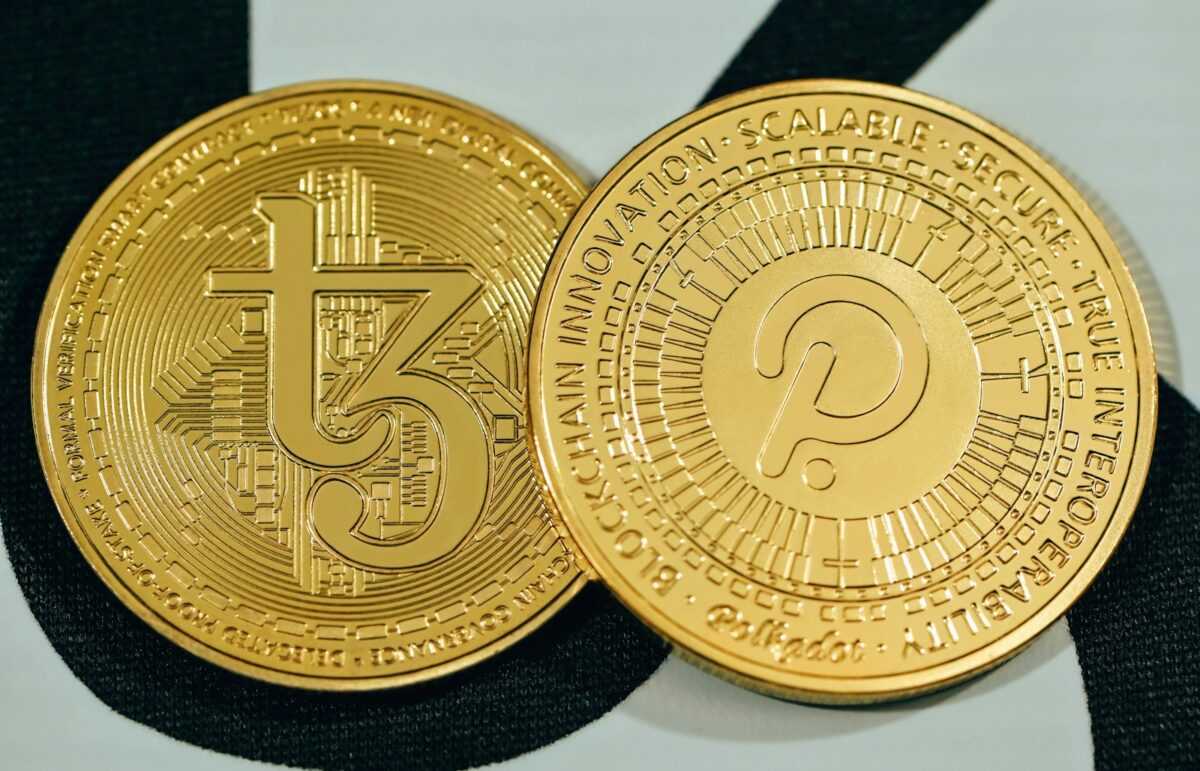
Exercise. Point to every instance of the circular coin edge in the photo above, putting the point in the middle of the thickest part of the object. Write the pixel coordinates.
(41, 416)
(882, 687)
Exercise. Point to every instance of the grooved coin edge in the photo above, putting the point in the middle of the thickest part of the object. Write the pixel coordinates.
(41, 417)
(866, 689)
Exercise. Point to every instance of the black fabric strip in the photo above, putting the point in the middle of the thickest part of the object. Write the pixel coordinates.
(1137, 629)
(882, 40)
(92, 85)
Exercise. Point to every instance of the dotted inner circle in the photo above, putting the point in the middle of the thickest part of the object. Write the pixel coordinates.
(985, 491)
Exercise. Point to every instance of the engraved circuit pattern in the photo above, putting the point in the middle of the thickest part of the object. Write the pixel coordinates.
(201, 506)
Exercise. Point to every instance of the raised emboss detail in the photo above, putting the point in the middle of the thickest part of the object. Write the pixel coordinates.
(879, 404)
(338, 505)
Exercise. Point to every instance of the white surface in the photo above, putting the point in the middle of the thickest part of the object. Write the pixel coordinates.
(683, 718)
(1108, 89)
(51, 721)
(589, 79)
(592, 84)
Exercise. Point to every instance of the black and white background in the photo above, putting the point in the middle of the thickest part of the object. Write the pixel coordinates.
(1108, 89)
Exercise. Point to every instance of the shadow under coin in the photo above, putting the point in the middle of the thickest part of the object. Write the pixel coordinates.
(685, 700)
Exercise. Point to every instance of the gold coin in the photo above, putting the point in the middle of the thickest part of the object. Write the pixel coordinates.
(279, 385)
(842, 389)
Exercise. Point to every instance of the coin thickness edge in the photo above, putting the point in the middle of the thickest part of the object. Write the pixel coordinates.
(842, 389)
(279, 385)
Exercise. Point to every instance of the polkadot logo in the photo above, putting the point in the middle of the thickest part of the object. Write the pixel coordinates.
(855, 362)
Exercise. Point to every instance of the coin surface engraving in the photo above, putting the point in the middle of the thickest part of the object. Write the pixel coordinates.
(279, 386)
(842, 389)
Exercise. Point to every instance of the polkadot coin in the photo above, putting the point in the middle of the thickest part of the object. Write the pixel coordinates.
(842, 389)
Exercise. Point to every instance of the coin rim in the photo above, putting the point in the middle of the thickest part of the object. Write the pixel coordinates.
(41, 417)
(815, 688)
